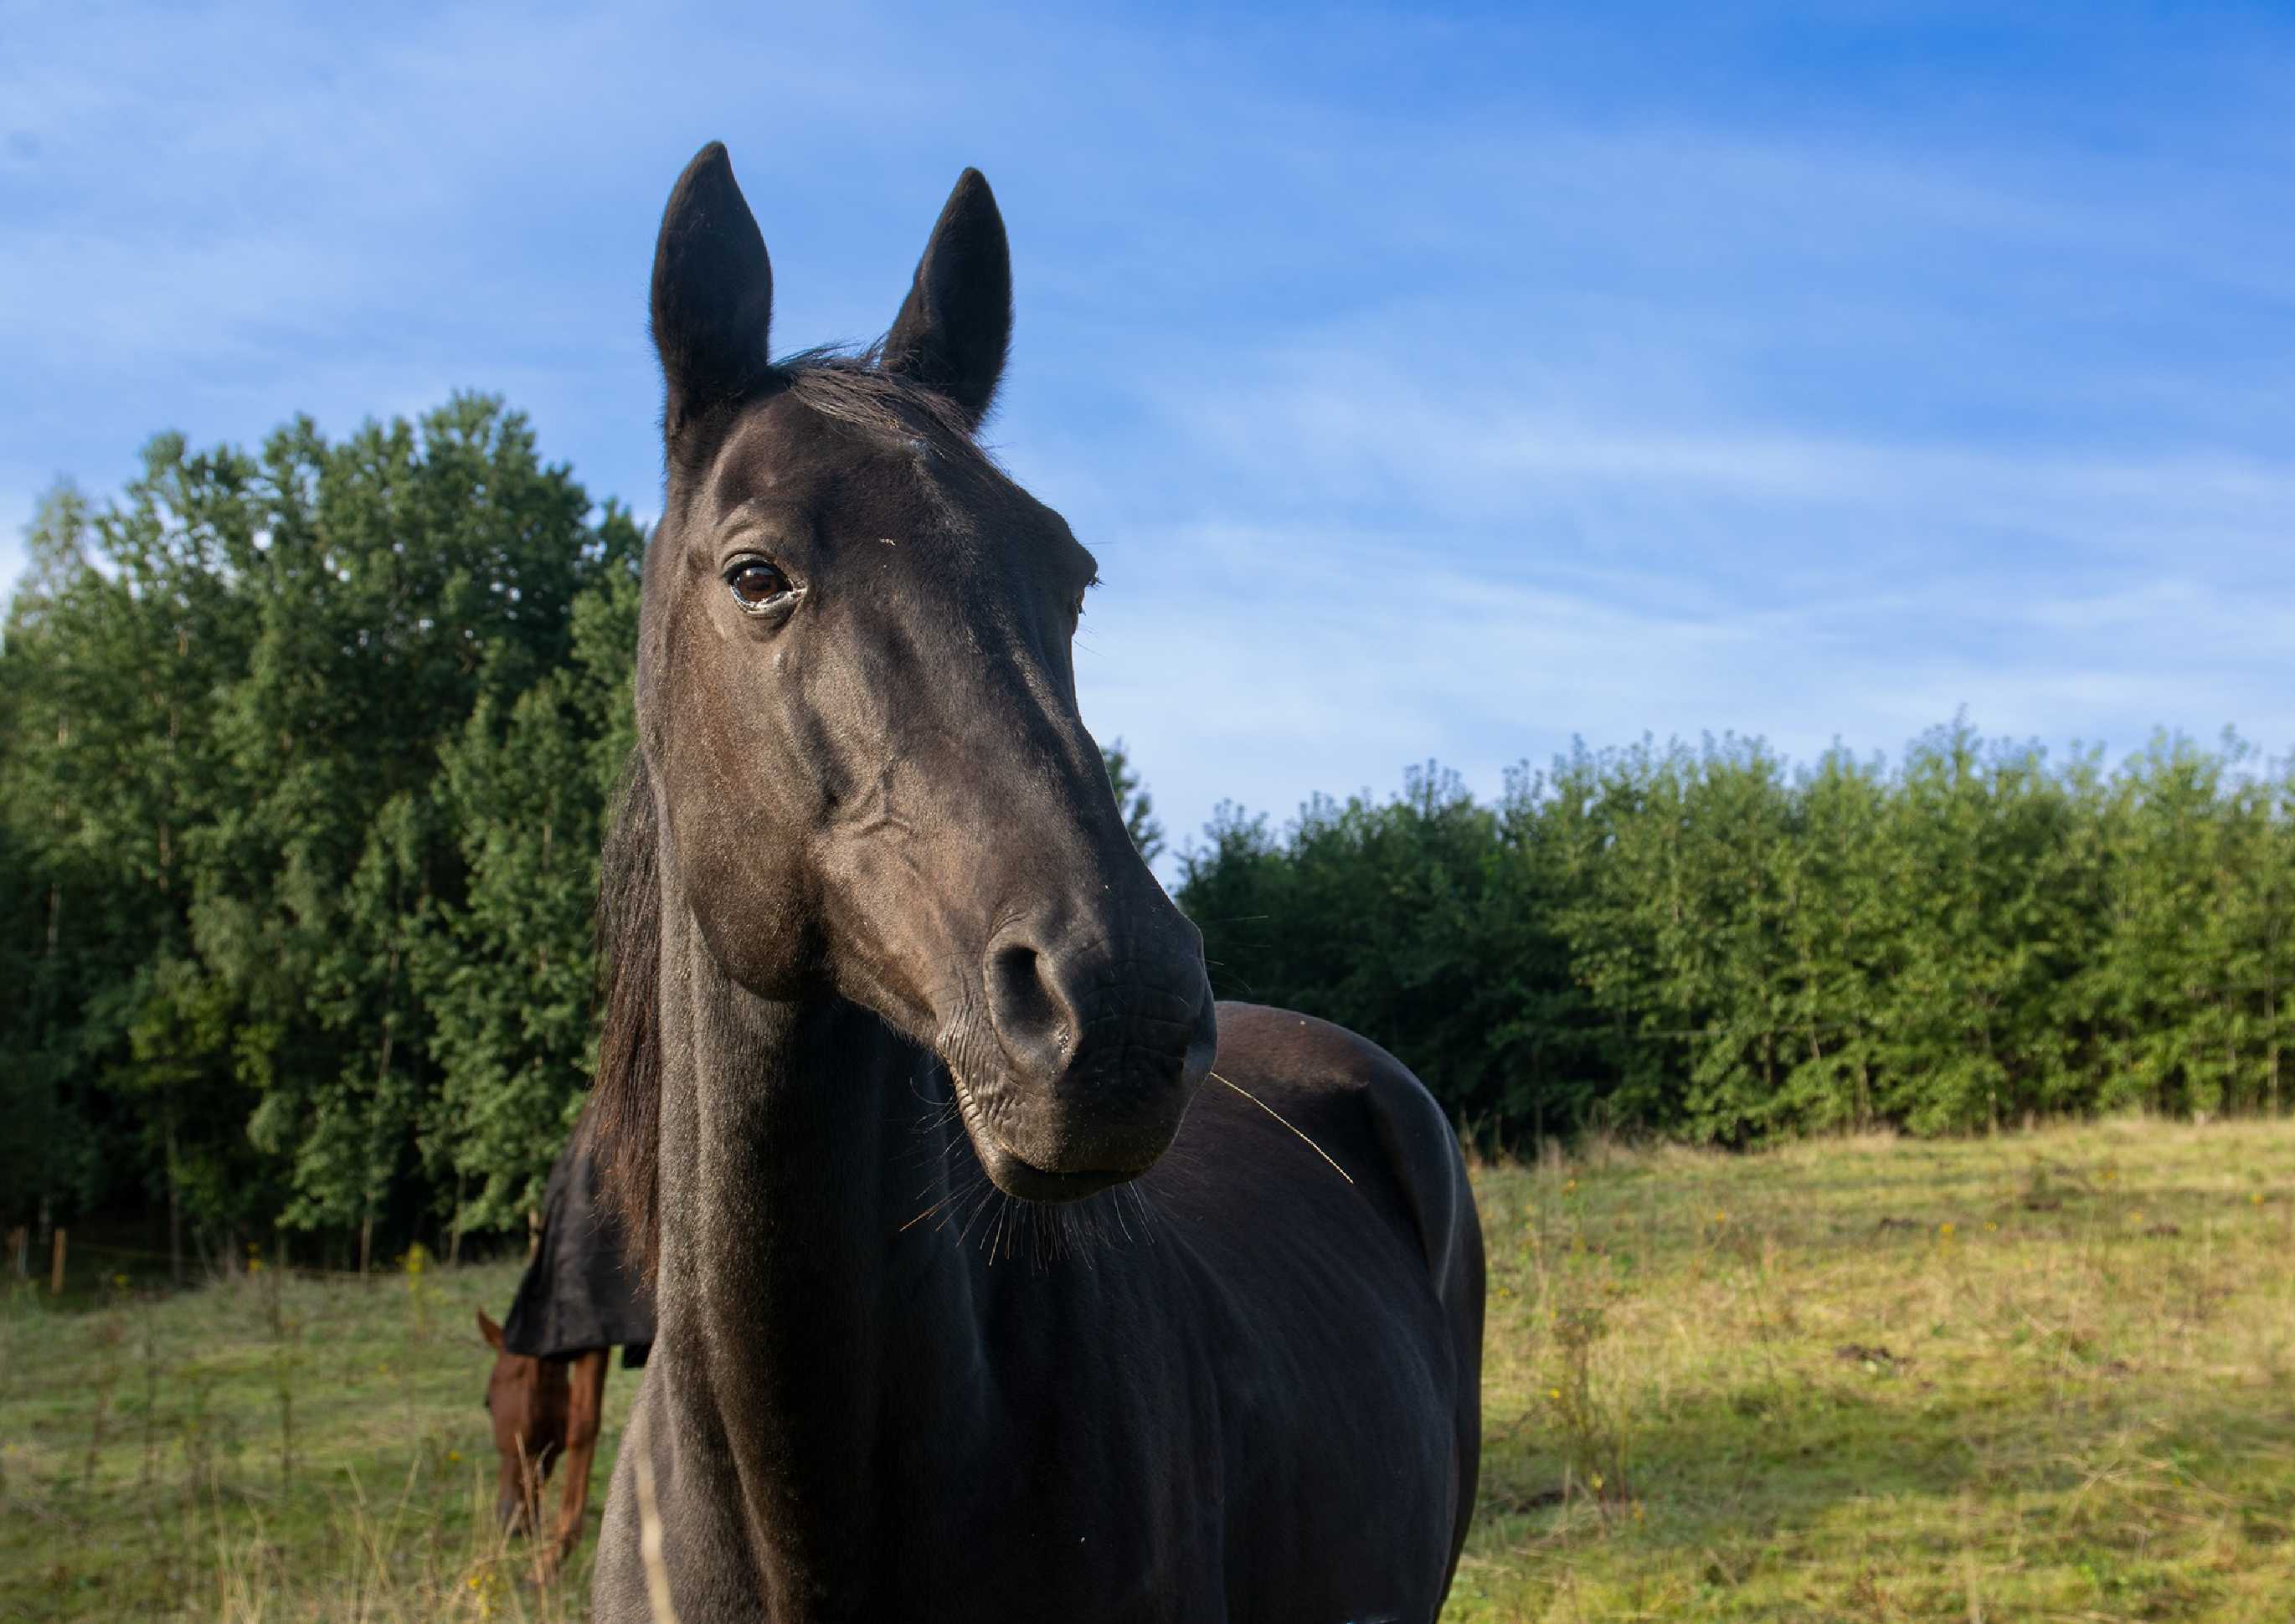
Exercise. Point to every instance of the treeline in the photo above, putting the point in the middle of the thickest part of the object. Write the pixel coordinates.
(304, 755)
(1711, 945)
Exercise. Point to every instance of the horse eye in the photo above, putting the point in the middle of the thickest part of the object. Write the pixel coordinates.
(756, 583)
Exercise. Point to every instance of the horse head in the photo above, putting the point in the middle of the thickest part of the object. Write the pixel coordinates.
(528, 1400)
(863, 772)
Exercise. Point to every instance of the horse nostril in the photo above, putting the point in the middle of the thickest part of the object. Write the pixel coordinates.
(1030, 1017)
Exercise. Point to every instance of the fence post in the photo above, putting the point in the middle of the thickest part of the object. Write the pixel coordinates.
(18, 1238)
(56, 1268)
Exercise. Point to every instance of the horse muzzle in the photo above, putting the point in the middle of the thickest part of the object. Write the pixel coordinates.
(1098, 1053)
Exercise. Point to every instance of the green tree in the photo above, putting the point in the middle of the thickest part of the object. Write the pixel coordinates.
(507, 970)
(1134, 801)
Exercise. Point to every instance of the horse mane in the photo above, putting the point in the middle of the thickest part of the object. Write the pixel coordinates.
(621, 1125)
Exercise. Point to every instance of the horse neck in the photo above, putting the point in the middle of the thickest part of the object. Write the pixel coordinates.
(800, 1323)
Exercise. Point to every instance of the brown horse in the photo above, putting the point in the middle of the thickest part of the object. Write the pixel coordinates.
(580, 1298)
(545, 1410)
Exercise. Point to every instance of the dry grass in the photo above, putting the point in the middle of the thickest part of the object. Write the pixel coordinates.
(2037, 1376)
(267, 1451)
(2045, 1376)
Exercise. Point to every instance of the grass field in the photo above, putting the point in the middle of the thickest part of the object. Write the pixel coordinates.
(2049, 1376)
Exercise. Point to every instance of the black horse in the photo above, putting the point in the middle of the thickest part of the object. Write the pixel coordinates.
(971, 1307)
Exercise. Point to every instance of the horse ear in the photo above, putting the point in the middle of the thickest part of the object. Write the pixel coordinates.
(955, 324)
(492, 1331)
(712, 294)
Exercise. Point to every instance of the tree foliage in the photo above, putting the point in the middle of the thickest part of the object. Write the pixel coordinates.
(301, 798)
(1709, 944)
(1134, 801)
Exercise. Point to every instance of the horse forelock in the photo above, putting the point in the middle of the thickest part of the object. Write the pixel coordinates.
(853, 389)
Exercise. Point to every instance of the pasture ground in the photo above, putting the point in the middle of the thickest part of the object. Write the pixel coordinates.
(2047, 1375)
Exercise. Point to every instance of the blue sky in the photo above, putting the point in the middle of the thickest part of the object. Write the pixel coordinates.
(1430, 382)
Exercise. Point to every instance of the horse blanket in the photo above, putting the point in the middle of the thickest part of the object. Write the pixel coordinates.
(579, 1292)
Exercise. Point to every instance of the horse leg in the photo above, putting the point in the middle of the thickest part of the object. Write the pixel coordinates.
(584, 1403)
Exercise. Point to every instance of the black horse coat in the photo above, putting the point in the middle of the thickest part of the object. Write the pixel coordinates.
(581, 1291)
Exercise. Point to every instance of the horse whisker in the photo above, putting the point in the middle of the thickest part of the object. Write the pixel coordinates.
(1147, 1211)
(927, 1212)
(1003, 1212)
(1285, 1120)
(979, 1207)
(958, 1194)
